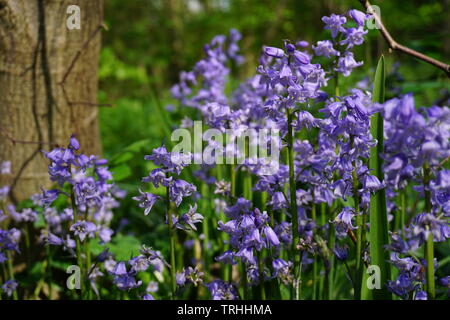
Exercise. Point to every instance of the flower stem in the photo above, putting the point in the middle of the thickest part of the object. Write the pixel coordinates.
(11, 272)
(315, 262)
(205, 211)
(261, 276)
(403, 210)
(49, 271)
(78, 247)
(244, 281)
(229, 267)
(172, 247)
(329, 281)
(359, 238)
(88, 268)
(293, 204)
(336, 84)
(429, 245)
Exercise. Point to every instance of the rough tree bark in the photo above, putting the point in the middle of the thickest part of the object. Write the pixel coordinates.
(48, 85)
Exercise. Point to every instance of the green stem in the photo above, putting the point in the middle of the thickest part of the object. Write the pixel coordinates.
(359, 238)
(403, 210)
(233, 180)
(429, 245)
(172, 247)
(293, 205)
(315, 266)
(205, 211)
(49, 271)
(11, 272)
(336, 84)
(88, 268)
(27, 244)
(78, 247)
(244, 281)
(330, 274)
(261, 276)
(228, 267)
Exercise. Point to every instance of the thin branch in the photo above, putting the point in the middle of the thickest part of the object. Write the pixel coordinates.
(85, 103)
(83, 47)
(72, 64)
(15, 141)
(19, 174)
(394, 45)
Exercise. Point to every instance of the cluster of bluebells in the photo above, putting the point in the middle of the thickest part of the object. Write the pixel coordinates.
(291, 93)
(330, 167)
(86, 182)
(166, 176)
(9, 236)
(249, 231)
(125, 273)
(416, 138)
(79, 208)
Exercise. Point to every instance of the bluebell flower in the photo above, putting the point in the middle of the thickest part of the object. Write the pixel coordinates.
(445, 281)
(146, 201)
(9, 287)
(123, 279)
(5, 167)
(74, 144)
(341, 252)
(274, 52)
(158, 177)
(180, 189)
(347, 63)
(421, 295)
(359, 16)
(105, 234)
(343, 222)
(139, 263)
(283, 270)
(402, 286)
(278, 201)
(49, 196)
(325, 49)
(147, 296)
(334, 23)
(83, 229)
(221, 290)
(270, 236)
(9, 239)
(353, 37)
(189, 219)
(4, 191)
(228, 257)
(3, 258)
(426, 224)
(371, 183)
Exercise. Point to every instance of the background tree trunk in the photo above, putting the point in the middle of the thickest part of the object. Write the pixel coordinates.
(48, 85)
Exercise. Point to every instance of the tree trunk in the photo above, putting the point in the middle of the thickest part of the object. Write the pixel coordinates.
(48, 85)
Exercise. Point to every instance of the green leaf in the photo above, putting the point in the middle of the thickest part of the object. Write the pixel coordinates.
(121, 172)
(378, 214)
(137, 146)
(121, 158)
(123, 247)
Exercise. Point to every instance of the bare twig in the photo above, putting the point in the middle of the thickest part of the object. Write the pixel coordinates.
(394, 45)
(72, 64)
(14, 141)
(83, 47)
